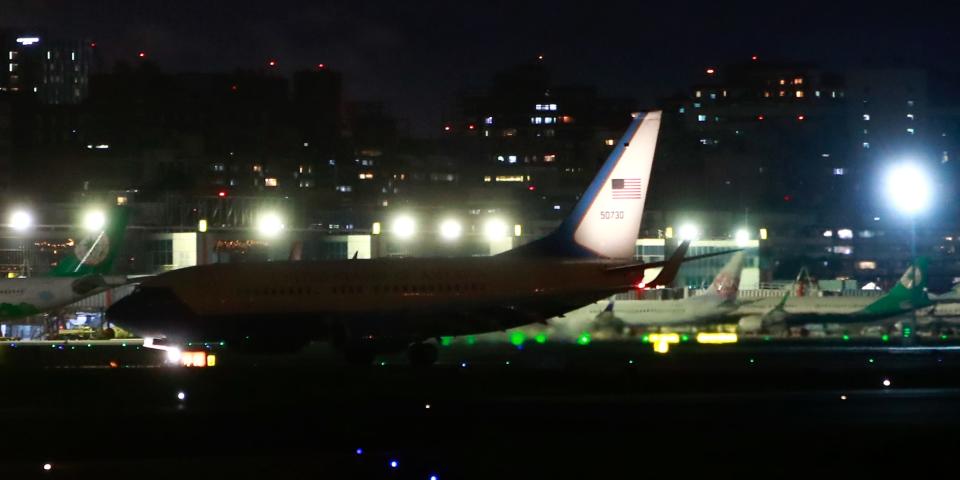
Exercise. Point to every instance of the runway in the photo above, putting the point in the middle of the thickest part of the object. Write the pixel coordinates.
(486, 410)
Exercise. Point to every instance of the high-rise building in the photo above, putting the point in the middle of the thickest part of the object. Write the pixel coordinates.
(54, 70)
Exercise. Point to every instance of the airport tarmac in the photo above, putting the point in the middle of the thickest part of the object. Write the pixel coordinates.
(487, 410)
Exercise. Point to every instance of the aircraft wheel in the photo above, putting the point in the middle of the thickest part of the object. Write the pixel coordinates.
(422, 354)
(359, 356)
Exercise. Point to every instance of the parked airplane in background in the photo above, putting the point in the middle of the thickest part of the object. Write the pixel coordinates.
(81, 273)
(907, 295)
(368, 306)
(717, 304)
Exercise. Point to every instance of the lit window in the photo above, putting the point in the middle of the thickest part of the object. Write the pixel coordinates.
(550, 157)
(838, 171)
(866, 145)
(828, 233)
(766, 94)
(799, 93)
(843, 250)
(682, 110)
(910, 103)
(798, 81)
(536, 120)
(816, 93)
(509, 132)
(783, 82)
(609, 142)
(512, 159)
(867, 265)
(701, 118)
(538, 107)
(845, 233)
(487, 178)
(500, 158)
(365, 176)
(259, 168)
(866, 117)
(697, 94)
(910, 116)
(488, 121)
(553, 107)
(713, 95)
(344, 188)
(910, 131)
(270, 182)
(696, 104)
(549, 120)
(782, 93)
(945, 158)
(509, 178)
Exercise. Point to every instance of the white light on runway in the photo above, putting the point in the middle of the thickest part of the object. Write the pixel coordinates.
(886, 382)
(181, 395)
(450, 230)
(47, 467)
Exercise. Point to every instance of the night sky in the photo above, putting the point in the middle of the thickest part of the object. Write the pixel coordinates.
(417, 55)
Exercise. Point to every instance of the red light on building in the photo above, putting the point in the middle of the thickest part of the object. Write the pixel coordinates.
(711, 71)
(801, 118)
(222, 193)
(787, 198)
(760, 117)
(540, 57)
(272, 63)
(471, 127)
(754, 58)
(321, 66)
(532, 188)
(93, 44)
(142, 54)
(233, 88)
(447, 128)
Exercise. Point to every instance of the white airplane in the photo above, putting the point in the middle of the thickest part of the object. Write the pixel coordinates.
(907, 295)
(367, 306)
(717, 304)
(81, 273)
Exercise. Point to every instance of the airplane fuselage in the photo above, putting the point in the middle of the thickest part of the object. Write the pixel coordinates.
(380, 299)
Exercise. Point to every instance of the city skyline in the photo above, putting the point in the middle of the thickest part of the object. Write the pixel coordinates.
(431, 52)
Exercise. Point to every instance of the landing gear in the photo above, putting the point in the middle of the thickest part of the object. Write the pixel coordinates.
(422, 354)
(359, 355)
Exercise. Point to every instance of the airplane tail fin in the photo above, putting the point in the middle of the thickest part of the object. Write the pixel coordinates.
(606, 220)
(672, 266)
(95, 252)
(727, 282)
(908, 294)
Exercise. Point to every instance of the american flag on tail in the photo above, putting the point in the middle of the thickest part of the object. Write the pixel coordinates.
(627, 188)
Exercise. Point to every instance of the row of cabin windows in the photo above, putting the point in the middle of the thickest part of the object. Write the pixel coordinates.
(11, 292)
(376, 289)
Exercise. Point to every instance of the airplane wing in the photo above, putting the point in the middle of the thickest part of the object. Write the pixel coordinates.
(667, 263)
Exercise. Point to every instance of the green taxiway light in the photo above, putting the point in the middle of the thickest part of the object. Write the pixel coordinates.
(885, 337)
(943, 337)
(541, 338)
(223, 343)
(684, 338)
(517, 338)
(752, 360)
(645, 339)
(870, 360)
(766, 339)
(584, 339)
(446, 341)
(471, 339)
(846, 337)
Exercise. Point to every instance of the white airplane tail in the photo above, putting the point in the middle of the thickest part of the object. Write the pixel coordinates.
(726, 284)
(606, 220)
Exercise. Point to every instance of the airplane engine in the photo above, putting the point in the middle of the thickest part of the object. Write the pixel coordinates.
(751, 324)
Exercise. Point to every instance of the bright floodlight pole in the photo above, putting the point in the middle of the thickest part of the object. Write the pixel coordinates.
(909, 189)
